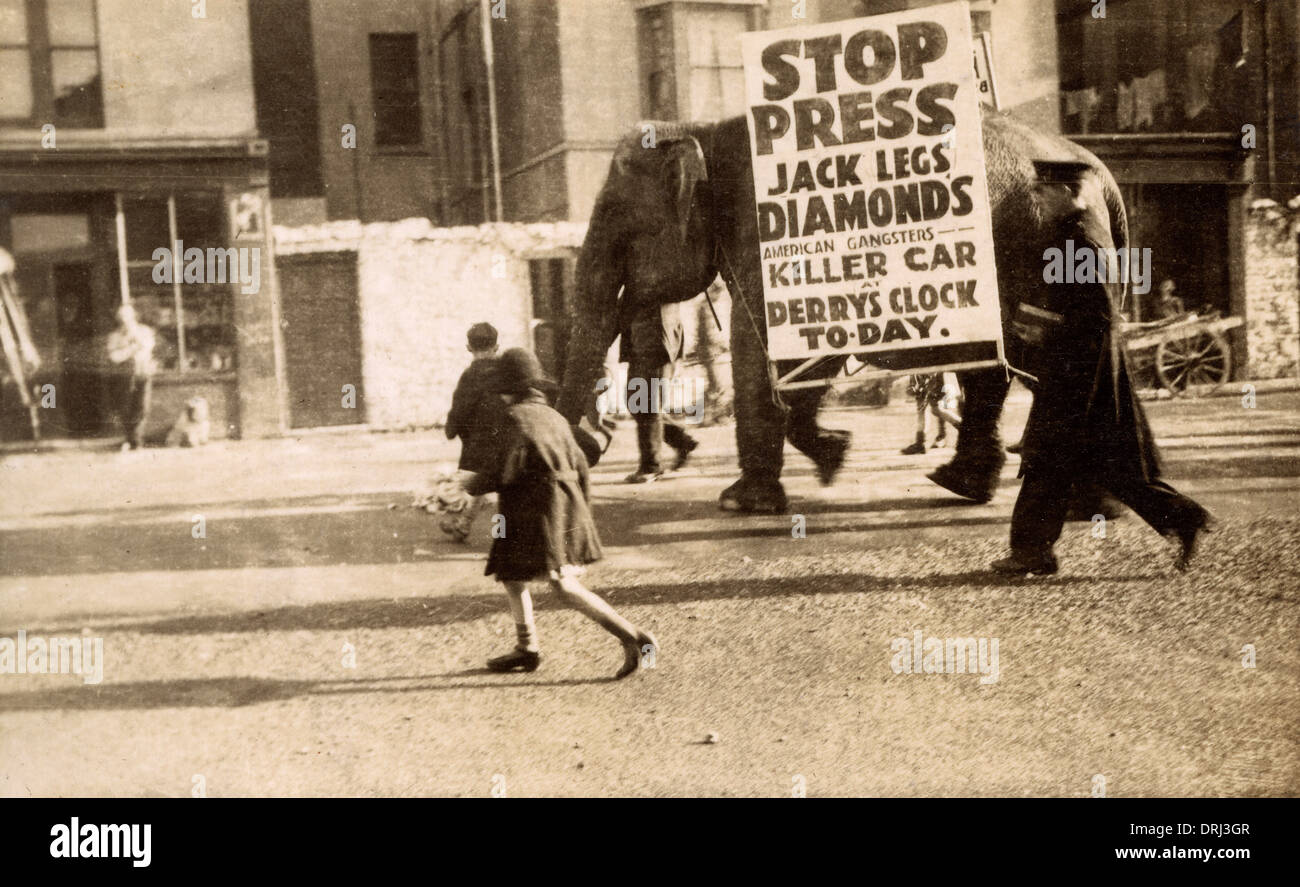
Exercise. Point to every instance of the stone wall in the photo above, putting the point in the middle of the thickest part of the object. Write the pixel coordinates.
(420, 289)
(1272, 290)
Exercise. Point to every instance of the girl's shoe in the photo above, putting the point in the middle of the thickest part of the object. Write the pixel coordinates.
(634, 651)
(523, 660)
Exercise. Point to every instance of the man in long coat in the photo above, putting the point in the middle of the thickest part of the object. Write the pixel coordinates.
(1086, 423)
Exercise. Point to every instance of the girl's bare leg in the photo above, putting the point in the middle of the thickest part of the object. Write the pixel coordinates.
(576, 595)
(525, 655)
(949, 416)
(521, 607)
(941, 438)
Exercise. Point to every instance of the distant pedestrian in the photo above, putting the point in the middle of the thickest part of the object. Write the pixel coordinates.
(475, 417)
(652, 342)
(1086, 424)
(130, 354)
(547, 531)
(709, 346)
(935, 394)
(1169, 306)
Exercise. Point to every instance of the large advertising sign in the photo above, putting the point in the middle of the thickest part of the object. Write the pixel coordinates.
(873, 213)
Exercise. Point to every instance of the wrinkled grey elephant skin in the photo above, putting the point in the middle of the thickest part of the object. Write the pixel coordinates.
(679, 209)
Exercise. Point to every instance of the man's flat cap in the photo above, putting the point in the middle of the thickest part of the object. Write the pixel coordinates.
(1061, 172)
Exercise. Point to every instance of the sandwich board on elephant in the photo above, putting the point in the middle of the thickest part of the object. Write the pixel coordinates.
(874, 220)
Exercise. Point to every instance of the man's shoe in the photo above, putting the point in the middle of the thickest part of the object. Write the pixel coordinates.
(939, 442)
(834, 450)
(684, 454)
(916, 447)
(1019, 565)
(643, 477)
(1189, 540)
(516, 659)
(751, 496)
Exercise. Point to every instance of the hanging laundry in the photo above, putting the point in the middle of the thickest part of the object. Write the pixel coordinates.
(1201, 60)
(1148, 94)
(1082, 102)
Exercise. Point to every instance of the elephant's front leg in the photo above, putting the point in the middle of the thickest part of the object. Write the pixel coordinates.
(760, 422)
(977, 463)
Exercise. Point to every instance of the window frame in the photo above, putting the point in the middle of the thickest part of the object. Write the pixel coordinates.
(40, 59)
(178, 293)
(419, 146)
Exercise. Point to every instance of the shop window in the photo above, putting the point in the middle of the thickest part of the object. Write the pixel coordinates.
(551, 282)
(194, 319)
(49, 63)
(395, 89)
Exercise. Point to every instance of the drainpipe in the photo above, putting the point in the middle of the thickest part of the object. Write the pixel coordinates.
(485, 13)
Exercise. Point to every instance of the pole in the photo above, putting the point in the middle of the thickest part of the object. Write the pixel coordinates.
(485, 13)
(124, 283)
(177, 299)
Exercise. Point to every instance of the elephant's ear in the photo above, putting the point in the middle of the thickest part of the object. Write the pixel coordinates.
(685, 170)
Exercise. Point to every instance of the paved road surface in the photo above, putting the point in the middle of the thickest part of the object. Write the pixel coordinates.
(224, 656)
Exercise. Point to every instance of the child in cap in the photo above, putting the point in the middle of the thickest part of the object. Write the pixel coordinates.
(475, 417)
(541, 479)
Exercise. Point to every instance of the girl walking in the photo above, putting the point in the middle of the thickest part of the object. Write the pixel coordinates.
(541, 479)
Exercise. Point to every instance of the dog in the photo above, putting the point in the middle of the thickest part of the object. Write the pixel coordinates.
(193, 427)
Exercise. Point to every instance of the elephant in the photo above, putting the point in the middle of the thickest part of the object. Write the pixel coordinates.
(677, 208)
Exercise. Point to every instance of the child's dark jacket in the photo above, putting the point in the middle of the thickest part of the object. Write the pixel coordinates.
(476, 416)
(541, 479)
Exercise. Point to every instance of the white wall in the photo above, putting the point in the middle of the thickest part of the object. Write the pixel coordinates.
(421, 288)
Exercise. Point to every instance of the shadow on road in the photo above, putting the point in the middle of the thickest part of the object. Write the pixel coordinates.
(370, 532)
(234, 692)
(426, 612)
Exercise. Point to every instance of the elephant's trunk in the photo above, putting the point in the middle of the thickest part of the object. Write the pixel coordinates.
(595, 321)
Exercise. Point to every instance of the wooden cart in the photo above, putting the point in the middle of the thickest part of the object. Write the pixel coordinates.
(1184, 354)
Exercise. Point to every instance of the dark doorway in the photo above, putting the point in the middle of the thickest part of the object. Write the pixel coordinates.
(320, 316)
(83, 401)
(1186, 228)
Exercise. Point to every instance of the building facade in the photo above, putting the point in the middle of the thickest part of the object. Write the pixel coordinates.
(346, 96)
(110, 152)
(1195, 127)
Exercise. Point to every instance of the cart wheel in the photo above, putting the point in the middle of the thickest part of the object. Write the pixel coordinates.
(1200, 358)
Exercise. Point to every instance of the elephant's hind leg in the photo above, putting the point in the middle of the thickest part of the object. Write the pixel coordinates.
(977, 463)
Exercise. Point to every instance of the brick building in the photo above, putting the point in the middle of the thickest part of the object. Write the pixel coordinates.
(125, 126)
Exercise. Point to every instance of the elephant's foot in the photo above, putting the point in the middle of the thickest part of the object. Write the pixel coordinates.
(754, 496)
(833, 447)
(972, 480)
